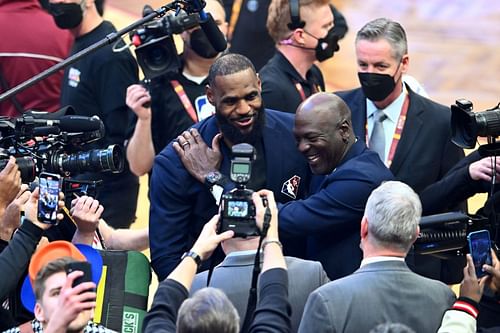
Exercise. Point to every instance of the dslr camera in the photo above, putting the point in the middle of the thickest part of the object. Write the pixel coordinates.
(237, 207)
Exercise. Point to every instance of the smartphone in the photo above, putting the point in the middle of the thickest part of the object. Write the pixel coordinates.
(83, 266)
(48, 202)
(480, 249)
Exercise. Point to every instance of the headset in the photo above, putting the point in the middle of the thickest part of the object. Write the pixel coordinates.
(296, 23)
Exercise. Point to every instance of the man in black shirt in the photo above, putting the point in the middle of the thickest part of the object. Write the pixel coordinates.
(177, 101)
(291, 76)
(96, 85)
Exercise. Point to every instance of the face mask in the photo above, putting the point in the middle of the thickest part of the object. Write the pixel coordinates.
(326, 46)
(66, 15)
(201, 45)
(377, 87)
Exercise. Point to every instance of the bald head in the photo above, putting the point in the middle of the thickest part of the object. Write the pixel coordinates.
(323, 131)
(325, 105)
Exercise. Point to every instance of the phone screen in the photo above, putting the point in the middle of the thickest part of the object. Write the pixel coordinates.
(49, 185)
(480, 249)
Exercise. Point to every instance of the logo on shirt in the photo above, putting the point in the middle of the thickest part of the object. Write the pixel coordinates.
(73, 77)
(203, 107)
(291, 187)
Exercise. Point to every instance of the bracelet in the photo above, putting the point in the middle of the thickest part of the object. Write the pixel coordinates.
(269, 241)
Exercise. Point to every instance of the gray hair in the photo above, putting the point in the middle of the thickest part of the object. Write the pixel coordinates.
(384, 28)
(208, 310)
(393, 211)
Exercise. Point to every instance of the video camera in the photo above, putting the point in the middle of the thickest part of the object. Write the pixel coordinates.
(56, 145)
(237, 207)
(155, 48)
(467, 125)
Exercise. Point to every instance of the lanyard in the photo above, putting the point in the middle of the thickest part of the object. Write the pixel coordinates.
(300, 89)
(235, 15)
(188, 107)
(397, 134)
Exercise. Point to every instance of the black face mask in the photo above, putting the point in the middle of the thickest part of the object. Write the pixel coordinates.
(66, 15)
(201, 45)
(326, 46)
(377, 87)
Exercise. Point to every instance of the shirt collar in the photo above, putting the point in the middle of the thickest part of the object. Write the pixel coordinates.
(372, 260)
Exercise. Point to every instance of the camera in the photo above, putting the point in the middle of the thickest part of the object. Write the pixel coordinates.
(40, 143)
(237, 207)
(467, 125)
(155, 48)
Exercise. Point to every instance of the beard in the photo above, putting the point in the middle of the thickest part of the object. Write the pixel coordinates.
(233, 133)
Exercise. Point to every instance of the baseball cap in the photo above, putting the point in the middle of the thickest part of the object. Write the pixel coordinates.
(52, 251)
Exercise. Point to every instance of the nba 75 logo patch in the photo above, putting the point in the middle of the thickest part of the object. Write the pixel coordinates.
(291, 187)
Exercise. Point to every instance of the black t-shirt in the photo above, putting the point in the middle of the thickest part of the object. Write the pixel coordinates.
(279, 84)
(250, 36)
(169, 116)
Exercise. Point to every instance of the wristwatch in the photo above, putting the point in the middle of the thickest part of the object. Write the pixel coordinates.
(215, 178)
(215, 181)
(196, 257)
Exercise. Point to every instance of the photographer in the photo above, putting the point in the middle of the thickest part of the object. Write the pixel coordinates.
(177, 101)
(273, 310)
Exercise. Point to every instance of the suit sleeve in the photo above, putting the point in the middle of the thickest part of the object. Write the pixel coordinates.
(317, 316)
(335, 206)
(169, 213)
(455, 187)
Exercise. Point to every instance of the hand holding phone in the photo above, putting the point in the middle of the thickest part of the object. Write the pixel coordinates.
(48, 201)
(83, 266)
(480, 250)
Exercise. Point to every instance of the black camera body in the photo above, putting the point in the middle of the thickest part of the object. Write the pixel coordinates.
(40, 143)
(237, 207)
(467, 125)
(155, 48)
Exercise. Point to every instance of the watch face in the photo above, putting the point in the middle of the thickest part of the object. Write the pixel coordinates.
(213, 177)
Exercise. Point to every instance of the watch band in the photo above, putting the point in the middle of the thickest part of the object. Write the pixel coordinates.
(195, 256)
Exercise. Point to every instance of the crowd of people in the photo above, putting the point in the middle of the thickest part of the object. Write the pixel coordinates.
(339, 180)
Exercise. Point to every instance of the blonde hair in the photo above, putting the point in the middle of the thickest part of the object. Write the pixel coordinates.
(279, 16)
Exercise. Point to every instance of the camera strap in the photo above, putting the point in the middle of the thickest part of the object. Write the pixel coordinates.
(252, 297)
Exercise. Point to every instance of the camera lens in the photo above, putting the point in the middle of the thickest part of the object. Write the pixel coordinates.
(26, 165)
(95, 160)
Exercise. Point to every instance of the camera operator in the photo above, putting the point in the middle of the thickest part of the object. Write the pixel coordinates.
(176, 101)
(273, 310)
(96, 85)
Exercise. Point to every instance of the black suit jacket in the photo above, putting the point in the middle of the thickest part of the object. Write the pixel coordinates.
(425, 152)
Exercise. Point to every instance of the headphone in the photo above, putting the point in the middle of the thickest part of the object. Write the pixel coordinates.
(296, 23)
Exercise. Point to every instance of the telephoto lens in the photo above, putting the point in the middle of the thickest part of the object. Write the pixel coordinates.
(95, 160)
(26, 165)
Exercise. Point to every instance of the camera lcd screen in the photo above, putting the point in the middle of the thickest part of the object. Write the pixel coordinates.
(241, 168)
(237, 208)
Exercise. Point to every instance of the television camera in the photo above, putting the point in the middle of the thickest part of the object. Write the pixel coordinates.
(155, 48)
(41, 142)
(445, 234)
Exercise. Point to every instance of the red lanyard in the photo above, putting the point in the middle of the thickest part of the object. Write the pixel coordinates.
(397, 134)
(235, 15)
(179, 90)
(298, 86)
